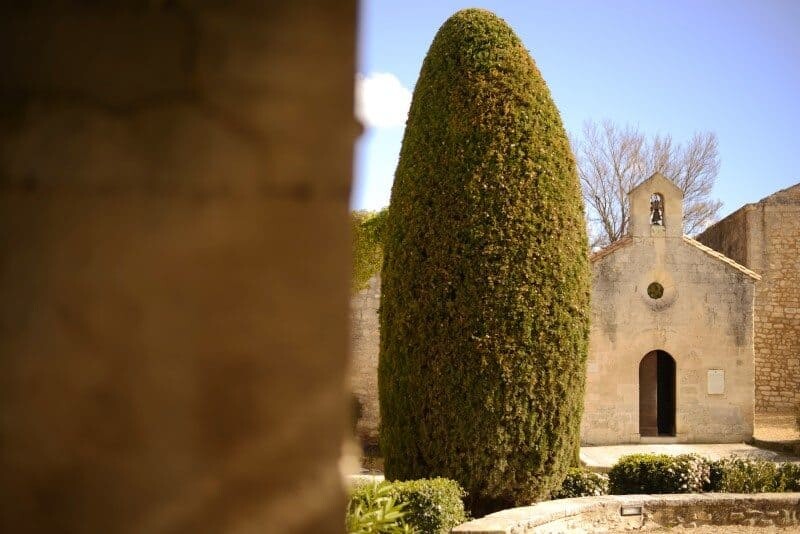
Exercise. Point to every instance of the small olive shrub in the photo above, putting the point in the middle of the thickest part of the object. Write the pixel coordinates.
(746, 475)
(658, 473)
(427, 506)
(787, 477)
(373, 509)
(582, 483)
(742, 475)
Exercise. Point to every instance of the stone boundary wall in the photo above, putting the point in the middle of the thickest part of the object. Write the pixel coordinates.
(365, 340)
(777, 310)
(599, 514)
(765, 237)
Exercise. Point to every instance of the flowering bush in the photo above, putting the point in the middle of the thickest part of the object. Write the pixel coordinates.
(659, 473)
(689, 473)
(582, 483)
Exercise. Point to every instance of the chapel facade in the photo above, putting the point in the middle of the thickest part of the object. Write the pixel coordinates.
(671, 341)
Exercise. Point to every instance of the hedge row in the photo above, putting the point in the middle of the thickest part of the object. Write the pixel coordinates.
(687, 473)
(742, 475)
(436, 505)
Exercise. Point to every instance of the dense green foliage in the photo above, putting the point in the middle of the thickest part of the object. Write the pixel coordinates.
(742, 475)
(787, 477)
(582, 483)
(658, 473)
(434, 506)
(752, 475)
(484, 313)
(431, 506)
(689, 473)
(366, 230)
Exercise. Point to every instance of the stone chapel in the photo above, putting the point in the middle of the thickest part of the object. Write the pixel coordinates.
(671, 342)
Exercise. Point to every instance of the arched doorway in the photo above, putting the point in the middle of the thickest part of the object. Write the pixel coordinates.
(657, 394)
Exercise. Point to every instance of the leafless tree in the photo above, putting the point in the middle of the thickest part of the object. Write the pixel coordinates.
(612, 160)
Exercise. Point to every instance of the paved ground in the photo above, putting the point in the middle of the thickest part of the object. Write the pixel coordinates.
(776, 428)
(776, 438)
(602, 458)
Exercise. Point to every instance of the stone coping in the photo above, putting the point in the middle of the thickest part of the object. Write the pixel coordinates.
(537, 517)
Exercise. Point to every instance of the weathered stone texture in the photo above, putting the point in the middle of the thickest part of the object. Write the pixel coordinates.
(174, 182)
(766, 238)
(659, 513)
(364, 345)
(704, 320)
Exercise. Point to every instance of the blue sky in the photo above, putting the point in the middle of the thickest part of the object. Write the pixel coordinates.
(670, 67)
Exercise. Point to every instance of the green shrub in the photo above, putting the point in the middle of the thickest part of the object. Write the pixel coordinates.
(433, 505)
(787, 477)
(743, 475)
(429, 506)
(658, 473)
(366, 231)
(485, 281)
(373, 509)
(582, 483)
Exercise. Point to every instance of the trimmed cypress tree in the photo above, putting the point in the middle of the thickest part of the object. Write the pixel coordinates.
(485, 281)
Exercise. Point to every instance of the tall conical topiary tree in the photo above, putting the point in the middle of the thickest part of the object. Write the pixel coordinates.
(484, 313)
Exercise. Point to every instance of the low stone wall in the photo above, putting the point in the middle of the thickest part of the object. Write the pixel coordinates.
(612, 513)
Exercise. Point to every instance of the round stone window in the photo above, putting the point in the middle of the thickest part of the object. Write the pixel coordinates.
(655, 290)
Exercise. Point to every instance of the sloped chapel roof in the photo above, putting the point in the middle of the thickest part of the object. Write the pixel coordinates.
(627, 240)
(722, 257)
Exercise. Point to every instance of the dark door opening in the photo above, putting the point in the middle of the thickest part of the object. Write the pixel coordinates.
(657, 394)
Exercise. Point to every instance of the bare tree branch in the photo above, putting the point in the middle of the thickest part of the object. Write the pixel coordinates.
(612, 160)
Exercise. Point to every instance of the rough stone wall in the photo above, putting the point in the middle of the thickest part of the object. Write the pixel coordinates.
(730, 236)
(769, 232)
(704, 320)
(364, 346)
(659, 513)
(174, 183)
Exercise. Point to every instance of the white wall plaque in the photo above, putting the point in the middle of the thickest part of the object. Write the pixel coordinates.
(716, 381)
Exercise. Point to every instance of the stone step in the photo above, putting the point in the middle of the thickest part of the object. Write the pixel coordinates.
(658, 439)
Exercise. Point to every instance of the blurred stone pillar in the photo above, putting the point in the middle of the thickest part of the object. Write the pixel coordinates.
(174, 182)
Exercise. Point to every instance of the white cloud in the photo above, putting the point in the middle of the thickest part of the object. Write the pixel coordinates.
(381, 100)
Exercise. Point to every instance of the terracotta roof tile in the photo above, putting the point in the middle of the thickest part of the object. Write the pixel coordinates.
(616, 245)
